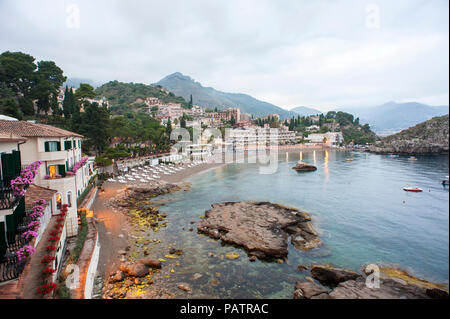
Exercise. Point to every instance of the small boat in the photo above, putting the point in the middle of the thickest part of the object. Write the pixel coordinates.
(349, 159)
(412, 189)
(412, 158)
(392, 155)
(445, 181)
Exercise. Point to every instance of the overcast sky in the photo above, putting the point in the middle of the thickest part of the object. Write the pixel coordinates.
(322, 54)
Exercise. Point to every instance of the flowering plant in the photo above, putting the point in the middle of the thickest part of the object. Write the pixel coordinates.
(47, 176)
(34, 225)
(25, 178)
(24, 252)
(53, 239)
(70, 173)
(29, 234)
(47, 259)
(50, 248)
(47, 272)
(80, 164)
(46, 289)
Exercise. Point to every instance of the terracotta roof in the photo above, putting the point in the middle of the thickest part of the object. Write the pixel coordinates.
(10, 137)
(35, 192)
(28, 129)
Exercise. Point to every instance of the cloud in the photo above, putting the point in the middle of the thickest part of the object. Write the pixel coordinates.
(315, 53)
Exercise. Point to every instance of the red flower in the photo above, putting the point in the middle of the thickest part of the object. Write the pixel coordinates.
(54, 239)
(46, 289)
(47, 259)
(50, 248)
(48, 271)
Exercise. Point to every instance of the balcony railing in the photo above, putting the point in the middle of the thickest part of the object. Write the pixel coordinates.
(7, 199)
(10, 266)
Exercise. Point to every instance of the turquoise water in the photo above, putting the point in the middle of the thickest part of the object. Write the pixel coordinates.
(359, 208)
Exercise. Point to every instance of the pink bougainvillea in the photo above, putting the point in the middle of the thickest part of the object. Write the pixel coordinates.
(25, 178)
(77, 166)
(25, 252)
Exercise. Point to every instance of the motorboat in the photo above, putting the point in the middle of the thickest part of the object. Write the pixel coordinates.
(445, 181)
(412, 158)
(412, 189)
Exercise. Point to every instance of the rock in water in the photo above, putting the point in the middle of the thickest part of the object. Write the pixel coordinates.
(262, 228)
(303, 167)
(330, 275)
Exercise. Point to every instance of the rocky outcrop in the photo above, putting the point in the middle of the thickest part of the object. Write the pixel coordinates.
(261, 228)
(332, 276)
(430, 137)
(303, 167)
(346, 284)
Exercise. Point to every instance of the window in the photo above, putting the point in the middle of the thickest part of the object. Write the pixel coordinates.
(52, 146)
(58, 201)
(67, 145)
(69, 199)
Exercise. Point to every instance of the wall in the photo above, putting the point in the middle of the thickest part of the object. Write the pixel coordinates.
(92, 270)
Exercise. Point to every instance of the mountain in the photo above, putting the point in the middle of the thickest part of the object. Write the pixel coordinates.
(393, 117)
(208, 97)
(305, 111)
(429, 137)
(75, 82)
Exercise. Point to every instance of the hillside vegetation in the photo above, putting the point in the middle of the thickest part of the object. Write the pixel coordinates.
(125, 97)
(429, 137)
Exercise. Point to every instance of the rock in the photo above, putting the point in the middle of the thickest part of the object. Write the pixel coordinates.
(176, 251)
(197, 276)
(436, 293)
(253, 258)
(212, 255)
(331, 275)
(122, 252)
(118, 276)
(134, 269)
(302, 268)
(261, 228)
(184, 287)
(214, 282)
(298, 294)
(309, 289)
(303, 167)
(191, 229)
(152, 263)
(232, 255)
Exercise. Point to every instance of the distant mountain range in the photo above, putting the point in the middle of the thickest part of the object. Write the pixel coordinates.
(208, 97)
(393, 117)
(305, 111)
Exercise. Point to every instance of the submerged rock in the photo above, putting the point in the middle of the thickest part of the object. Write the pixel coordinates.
(303, 167)
(261, 228)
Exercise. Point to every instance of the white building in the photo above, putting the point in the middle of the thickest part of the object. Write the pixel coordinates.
(260, 136)
(63, 168)
(331, 138)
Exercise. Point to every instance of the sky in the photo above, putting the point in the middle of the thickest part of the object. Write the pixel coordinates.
(321, 54)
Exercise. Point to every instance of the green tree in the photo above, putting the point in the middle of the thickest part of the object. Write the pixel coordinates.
(85, 91)
(17, 71)
(49, 79)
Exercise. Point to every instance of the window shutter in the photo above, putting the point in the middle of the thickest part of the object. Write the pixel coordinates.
(62, 170)
(58, 146)
(47, 147)
(17, 162)
(8, 167)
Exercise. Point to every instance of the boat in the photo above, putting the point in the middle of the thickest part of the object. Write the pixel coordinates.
(349, 159)
(392, 155)
(412, 189)
(445, 181)
(412, 158)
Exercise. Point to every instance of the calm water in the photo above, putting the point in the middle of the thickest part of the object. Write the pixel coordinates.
(359, 208)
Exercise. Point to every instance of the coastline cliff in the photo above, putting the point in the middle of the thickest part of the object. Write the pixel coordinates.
(429, 137)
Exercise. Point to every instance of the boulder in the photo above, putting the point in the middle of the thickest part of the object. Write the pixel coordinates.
(261, 228)
(332, 276)
(309, 289)
(303, 167)
(152, 263)
(134, 269)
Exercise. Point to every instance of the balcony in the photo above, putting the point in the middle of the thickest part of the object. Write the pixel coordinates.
(53, 156)
(11, 241)
(8, 200)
